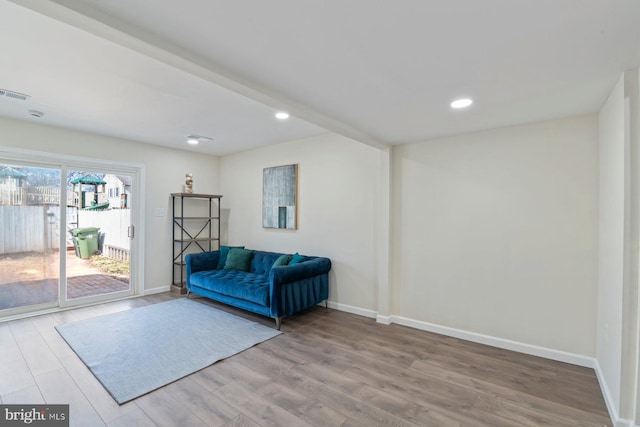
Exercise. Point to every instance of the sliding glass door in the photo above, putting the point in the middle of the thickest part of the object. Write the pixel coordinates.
(65, 235)
(29, 236)
(98, 224)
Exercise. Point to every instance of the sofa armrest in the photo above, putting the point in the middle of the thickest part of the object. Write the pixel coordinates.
(294, 288)
(292, 273)
(201, 261)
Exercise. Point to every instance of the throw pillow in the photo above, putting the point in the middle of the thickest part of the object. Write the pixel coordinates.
(296, 258)
(224, 251)
(282, 260)
(238, 259)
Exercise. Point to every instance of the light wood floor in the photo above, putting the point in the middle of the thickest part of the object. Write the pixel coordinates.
(329, 368)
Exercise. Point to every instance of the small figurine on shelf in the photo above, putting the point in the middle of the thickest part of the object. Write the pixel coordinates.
(188, 184)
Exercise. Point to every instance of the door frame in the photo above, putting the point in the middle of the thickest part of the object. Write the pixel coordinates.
(137, 247)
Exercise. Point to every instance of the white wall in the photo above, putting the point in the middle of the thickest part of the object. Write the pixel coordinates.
(164, 169)
(337, 185)
(611, 244)
(635, 255)
(495, 233)
(630, 373)
(619, 256)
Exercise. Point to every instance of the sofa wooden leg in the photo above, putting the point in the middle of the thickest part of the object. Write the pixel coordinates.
(278, 322)
(326, 304)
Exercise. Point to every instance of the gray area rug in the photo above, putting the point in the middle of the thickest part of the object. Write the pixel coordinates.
(136, 351)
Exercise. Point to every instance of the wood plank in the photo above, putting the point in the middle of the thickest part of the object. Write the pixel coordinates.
(135, 418)
(164, 410)
(327, 368)
(536, 404)
(206, 405)
(262, 411)
(30, 395)
(320, 415)
(37, 353)
(16, 376)
(518, 414)
(100, 399)
(10, 350)
(215, 376)
(58, 387)
(241, 421)
(358, 410)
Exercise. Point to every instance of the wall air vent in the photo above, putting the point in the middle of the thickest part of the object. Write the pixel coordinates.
(14, 95)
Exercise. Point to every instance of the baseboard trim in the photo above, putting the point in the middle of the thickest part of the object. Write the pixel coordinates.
(520, 347)
(385, 320)
(158, 290)
(533, 350)
(608, 400)
(353, 310)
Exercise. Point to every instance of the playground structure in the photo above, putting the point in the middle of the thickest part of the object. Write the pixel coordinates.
(92, 200)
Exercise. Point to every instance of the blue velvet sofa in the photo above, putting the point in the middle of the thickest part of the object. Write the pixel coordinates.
(263, 289)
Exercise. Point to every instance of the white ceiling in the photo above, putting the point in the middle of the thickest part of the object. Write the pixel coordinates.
(381, 72)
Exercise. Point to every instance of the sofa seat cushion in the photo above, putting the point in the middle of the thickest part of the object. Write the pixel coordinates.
(238, 284)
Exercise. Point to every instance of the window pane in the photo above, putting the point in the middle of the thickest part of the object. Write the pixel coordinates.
(29, 236)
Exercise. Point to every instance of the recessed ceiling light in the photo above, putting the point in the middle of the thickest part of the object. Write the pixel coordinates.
(461, 103)
(195, 139)
(282, 115)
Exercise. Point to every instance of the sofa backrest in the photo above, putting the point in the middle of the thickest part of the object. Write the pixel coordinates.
(261, 262)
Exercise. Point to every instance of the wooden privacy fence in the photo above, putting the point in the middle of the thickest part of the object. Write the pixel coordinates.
(36, 228)
(113, 223)
(35, 196)
(26, 229)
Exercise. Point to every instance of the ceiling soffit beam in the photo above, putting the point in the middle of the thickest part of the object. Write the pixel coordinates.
(105, 26)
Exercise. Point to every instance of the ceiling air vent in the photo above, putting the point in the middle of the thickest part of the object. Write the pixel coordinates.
(14, 95)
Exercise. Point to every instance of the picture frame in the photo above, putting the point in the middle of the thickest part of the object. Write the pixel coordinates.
(280, 197)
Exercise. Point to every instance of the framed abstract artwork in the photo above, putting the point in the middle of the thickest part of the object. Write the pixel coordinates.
(279, 197)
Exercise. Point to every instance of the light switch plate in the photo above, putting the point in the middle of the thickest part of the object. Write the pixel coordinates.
(160, 212)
